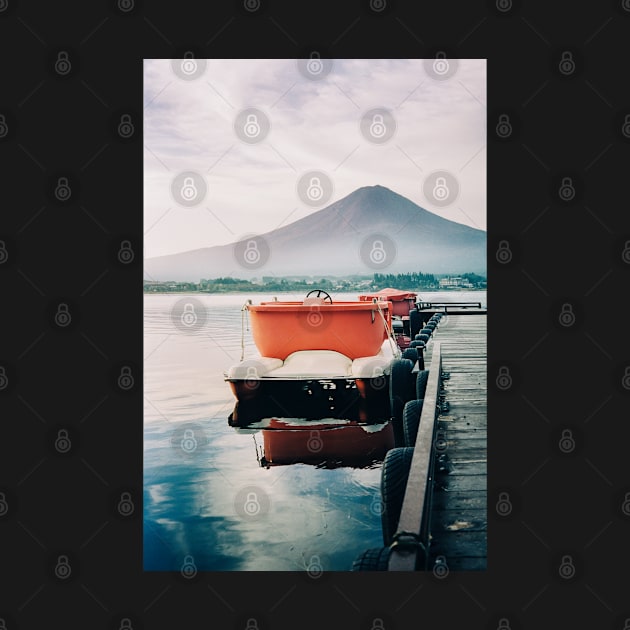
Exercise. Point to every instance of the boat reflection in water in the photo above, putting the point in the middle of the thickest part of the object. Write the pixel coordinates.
(352, 436)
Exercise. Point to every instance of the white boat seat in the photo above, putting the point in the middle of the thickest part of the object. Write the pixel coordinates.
(314, 363)
(254, 368)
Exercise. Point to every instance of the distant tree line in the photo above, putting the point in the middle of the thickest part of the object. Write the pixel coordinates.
(404, 281)
(418, 280)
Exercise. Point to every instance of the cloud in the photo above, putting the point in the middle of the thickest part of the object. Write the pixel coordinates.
(315, 125)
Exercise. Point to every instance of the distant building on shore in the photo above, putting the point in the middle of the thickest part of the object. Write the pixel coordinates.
(455, 282)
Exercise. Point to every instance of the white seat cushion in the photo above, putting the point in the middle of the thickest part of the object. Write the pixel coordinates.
(314, 363)
(254, 368)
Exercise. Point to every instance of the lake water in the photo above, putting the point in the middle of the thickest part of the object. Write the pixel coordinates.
(208, 504)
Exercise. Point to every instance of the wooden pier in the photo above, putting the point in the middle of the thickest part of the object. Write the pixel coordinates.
(446, 494)
(459, 512)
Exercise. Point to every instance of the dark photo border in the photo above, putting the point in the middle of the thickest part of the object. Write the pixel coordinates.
(71, 436)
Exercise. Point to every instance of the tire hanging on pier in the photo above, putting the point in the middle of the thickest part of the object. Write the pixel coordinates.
(422, 379)
(411, 354)
(372, 560)
(411, 421)
(394, 474)
(402, 387)
(415, 322)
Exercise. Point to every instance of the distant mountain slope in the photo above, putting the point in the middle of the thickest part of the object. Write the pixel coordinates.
(329, 241)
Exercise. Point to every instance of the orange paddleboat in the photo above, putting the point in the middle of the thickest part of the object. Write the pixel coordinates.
(318, 355)
(402, 301)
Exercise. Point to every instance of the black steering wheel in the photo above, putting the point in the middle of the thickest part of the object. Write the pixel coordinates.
(318, 293)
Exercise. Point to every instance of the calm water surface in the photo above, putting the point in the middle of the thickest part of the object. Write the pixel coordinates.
(207, 501)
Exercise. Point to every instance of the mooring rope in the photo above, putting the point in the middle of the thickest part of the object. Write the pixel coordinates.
(390, 333)
(243, 318)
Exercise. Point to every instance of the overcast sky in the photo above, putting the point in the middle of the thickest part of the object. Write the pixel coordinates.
(314, 125)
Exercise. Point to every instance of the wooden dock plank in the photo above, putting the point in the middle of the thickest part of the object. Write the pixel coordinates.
(459, 516)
